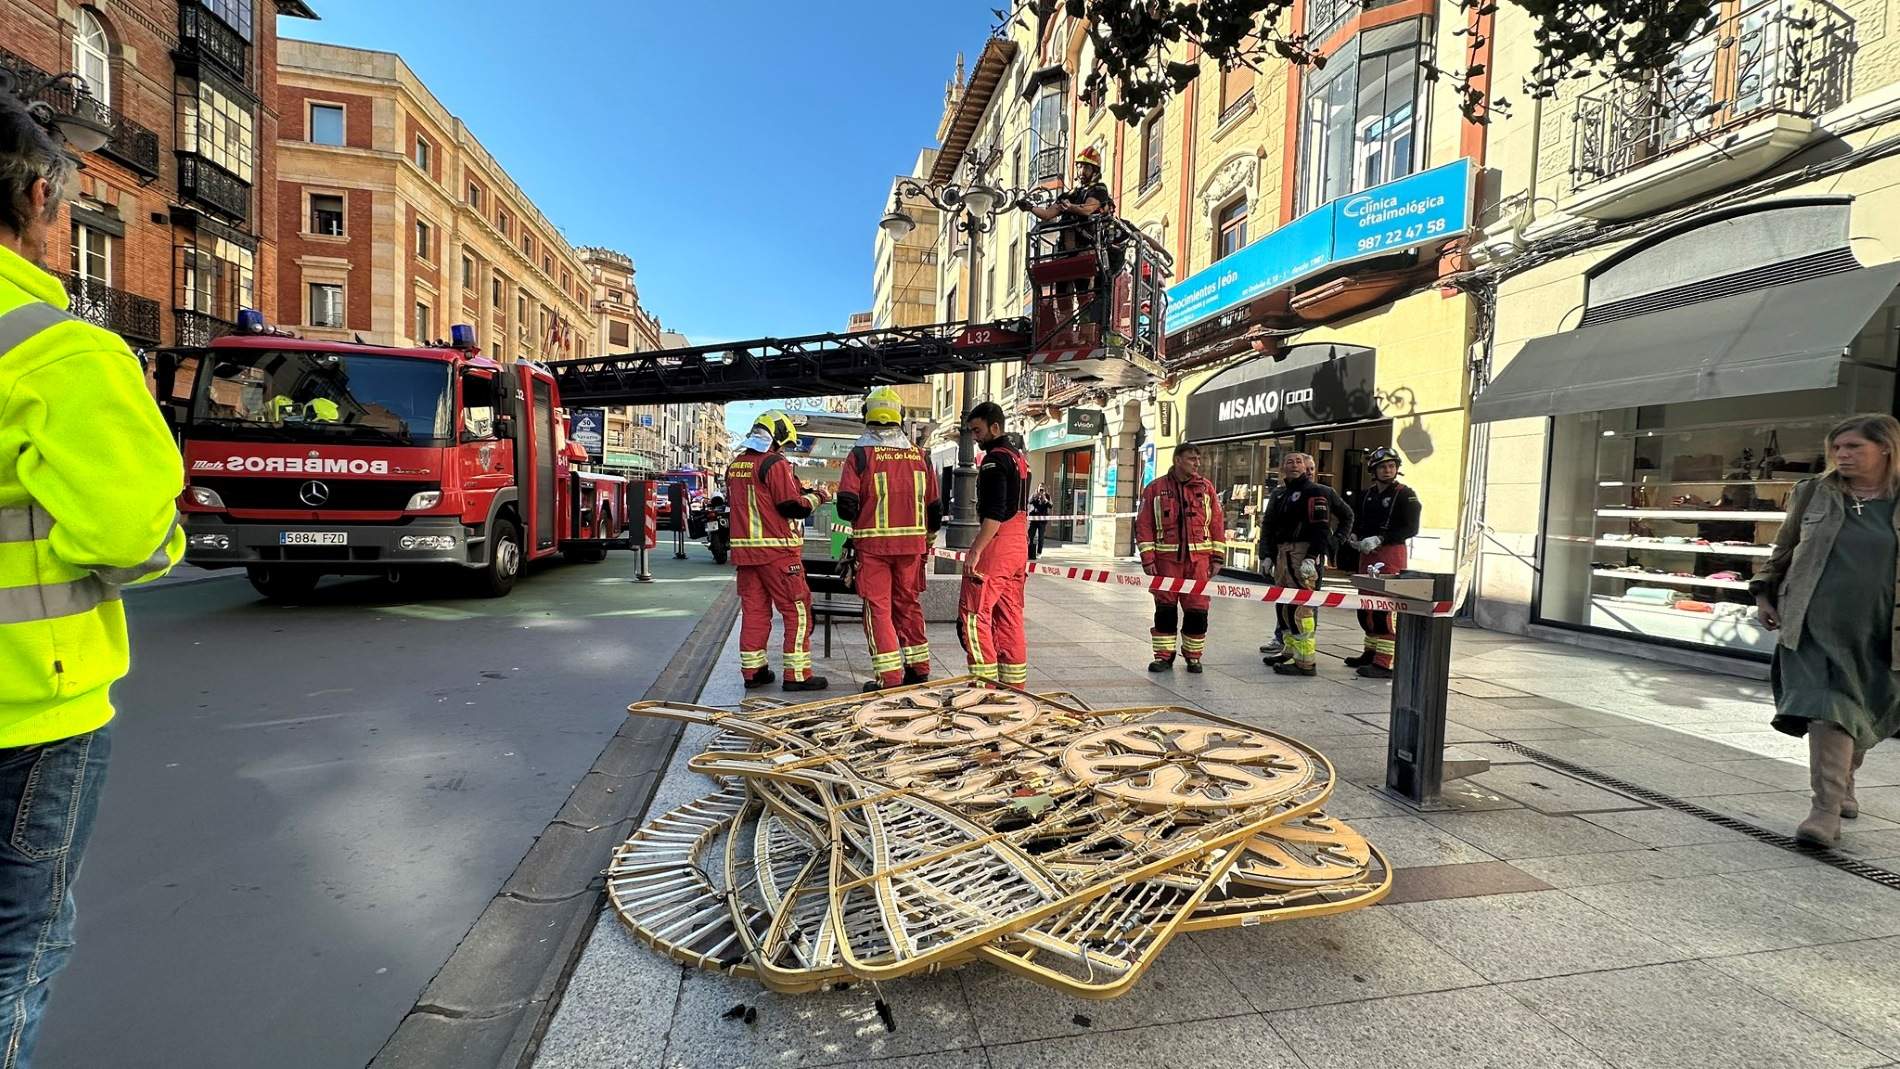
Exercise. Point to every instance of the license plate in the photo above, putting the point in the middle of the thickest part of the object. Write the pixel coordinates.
(313, 538)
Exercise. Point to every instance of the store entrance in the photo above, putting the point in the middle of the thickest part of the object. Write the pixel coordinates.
(1072, 495)
(1246, 472)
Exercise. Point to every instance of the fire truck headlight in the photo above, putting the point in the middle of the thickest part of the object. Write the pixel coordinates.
(204, 495)
(427, 499)
(208, 541)
(436, 542)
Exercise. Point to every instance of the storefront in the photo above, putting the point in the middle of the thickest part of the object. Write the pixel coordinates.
(1693, 393)
(1065, 464)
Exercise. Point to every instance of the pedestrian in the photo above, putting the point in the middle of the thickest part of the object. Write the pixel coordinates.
(990, 603)
(89, 483)
(676, 504)
(1387, 519)
(889, 496)
(1298, 530)
(1829, 588)
(768, 511)
(1040, 508)
(1180, 533)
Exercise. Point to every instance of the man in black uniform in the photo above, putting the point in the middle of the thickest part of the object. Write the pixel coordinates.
(1388, 519)
(1075, 212)
(1298, 530)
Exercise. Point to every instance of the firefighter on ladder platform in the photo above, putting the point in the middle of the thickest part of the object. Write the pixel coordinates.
(990, 603)
(768, 512)
(1181, 533)
(889, 496)
(1387, 520)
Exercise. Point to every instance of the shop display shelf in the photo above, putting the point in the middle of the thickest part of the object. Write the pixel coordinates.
(1700, 482)
(1762, 516)
(1671, 547)
(1655, 621)
(1670, 580)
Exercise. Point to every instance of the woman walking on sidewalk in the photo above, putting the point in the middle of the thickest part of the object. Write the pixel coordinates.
(1830, 588)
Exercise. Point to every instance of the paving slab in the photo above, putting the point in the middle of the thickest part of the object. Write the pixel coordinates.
(1847, 986)
(1236, 1041)
(1686, 1014)
(1549, 791)
(1535, 934)
(1516, 833)
(1182, 985)
(1460, 881)
(1683, 779)
(1624, 866)
(1861, 904)
(817, 1029)
(1707, 915)
(1782, 810)
(1665, 827)
(1351, 957)
(1411, 842)
(617, 1008)
(1479, 1028)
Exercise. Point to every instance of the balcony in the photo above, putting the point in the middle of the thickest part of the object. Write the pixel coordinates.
(128, 142)
(205, 182)
(1048, 165)
(197, 328)
(128, 315)
(203, 37)
(1744, 97)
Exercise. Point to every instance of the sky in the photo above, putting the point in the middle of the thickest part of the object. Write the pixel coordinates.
(740, 151)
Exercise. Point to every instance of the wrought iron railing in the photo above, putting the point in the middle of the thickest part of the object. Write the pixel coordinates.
(201, 180)
(1030, 387)
(1323, 15)
(128, 315)
(198, 328)
(128, 142)
(202, 36)
(1047, 164)
(1789, 57)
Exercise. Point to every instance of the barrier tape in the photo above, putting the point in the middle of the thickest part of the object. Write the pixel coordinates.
(1215, 588)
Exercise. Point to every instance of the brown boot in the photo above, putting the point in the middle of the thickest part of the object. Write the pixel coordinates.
(1850, 808)
(1830, 760)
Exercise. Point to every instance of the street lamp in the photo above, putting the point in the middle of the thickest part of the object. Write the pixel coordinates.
(80, 125)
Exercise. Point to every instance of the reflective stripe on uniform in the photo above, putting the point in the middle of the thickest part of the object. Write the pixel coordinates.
(919, 654)
(1013, 674)
(157, 562)
(756, 543)
(883, 521)
(27, 523)
(50, 601)
(27, 320)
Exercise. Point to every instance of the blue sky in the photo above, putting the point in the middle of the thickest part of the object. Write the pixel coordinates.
(740, 151)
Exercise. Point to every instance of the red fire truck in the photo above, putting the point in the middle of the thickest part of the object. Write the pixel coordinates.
(309, 458)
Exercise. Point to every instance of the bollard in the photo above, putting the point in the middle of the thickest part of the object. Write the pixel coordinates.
(1415, 766)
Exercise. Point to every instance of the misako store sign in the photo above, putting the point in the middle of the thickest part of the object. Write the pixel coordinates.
(1417, 210)
(1319, 384)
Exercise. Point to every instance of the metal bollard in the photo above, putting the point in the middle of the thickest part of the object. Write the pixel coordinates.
(1415, 765)
(645, 574)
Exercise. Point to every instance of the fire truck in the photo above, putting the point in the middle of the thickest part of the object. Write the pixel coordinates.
(308, 458)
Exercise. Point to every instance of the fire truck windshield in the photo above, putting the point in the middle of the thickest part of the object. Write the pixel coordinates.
(275, 393)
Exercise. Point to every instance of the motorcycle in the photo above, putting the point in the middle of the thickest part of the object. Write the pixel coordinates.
(717, 537)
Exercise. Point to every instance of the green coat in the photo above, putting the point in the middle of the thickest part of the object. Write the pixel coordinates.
(1816, 509)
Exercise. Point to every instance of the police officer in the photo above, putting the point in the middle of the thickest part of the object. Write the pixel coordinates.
(1298, 529)
(990, 603)
(1181, 533)
(89, 481)
(768, 513)
(889, 495)
(1387, 520)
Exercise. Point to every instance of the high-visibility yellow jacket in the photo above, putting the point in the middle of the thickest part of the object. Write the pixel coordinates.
(89, 485)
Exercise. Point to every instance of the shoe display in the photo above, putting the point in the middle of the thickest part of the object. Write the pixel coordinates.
(763, 677)
(1373, 671)
(814, 683)
(1291, 669)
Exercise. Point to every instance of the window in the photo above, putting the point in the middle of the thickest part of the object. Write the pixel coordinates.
(475, 196)
(1230, 229)
(422, 240)
(501, 222)
(1359, 126)
(425, 322)
(468, 273)
(215, 125)
(617, 335)
(616, 296)
(234, 13)
(521, 309)
(216, 276)
(92, 261)
(326, 124)
(326, 214)
(326, 304)
(547, 265)
(422, 153)
(527, 246)
(567, 279)
(495, 294)
(1045, 124)
(1151, 151)
(1236, 85)
(92, 55)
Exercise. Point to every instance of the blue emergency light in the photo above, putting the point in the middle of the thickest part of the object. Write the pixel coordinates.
(250, 321)
(462, 336)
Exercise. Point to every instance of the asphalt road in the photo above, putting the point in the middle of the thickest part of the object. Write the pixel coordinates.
(308, 806)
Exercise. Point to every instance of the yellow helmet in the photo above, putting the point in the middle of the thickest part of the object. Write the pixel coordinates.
(779, 426)
(883, 405)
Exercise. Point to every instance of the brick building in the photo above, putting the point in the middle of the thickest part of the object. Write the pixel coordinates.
(398, 223)
(167, 233)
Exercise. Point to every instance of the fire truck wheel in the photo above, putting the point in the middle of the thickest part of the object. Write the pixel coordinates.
(498, 577)
(282, 584)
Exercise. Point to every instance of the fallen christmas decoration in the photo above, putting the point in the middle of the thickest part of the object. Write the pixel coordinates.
(871, 837)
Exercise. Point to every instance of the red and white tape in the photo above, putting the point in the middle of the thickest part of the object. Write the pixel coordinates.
(1216, 588)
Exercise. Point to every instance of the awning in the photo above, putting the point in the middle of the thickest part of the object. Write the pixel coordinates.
(1772, 340)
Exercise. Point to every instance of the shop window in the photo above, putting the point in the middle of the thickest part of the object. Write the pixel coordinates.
(1230, 228)
(1151, 136)
(92, 55)
(1360, 114)
(326, 304)
(326, 214)
(326, 124)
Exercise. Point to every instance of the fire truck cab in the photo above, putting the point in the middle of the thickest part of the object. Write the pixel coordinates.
(307, 458)
(1100, 293)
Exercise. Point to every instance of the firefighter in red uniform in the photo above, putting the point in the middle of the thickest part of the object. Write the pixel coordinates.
(889, 495)
(1181, 533)
(768, 507)
(990, 605)
(1387, 520)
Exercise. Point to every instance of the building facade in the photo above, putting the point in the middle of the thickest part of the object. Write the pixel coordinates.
(399, 223)
(623, 325)
(173, 226)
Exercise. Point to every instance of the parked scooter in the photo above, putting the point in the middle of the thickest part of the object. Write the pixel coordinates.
(717, 537)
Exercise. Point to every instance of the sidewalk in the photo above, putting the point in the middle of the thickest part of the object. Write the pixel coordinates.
(1570, 926)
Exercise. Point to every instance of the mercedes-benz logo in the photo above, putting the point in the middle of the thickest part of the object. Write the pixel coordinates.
(313, 493)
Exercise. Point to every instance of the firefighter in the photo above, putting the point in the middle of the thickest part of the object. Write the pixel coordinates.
(1388, 518)
(1298, 528)
(1072, 214)
(990, 603)
(1181, 533)
(768, 510)
(889, 495)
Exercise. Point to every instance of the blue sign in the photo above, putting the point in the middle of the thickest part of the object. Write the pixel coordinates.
(1110, 482)
(588, 426)
(1147, 463)
(1429, 206)
(646, 419)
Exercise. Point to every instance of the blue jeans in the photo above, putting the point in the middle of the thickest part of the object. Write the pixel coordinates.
(49, 796)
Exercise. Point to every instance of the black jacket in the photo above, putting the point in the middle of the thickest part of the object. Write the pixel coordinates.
(1390, 515)
(1293, 514)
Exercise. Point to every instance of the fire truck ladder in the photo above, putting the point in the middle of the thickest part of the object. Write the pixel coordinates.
(811, 366)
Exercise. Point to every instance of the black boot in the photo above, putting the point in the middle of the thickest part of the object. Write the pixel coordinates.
(871, 685)
(1194, 668)
(814, 683)
(913, 674)
(1359, 659)
(1373, 671)
(1281, 657)
(1161, 664)
(1289, 668)
(763, 677)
